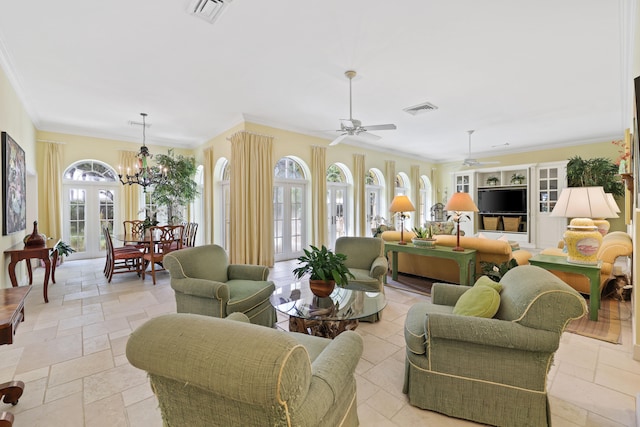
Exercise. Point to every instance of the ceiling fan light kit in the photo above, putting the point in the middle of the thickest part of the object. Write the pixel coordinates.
(353, 127)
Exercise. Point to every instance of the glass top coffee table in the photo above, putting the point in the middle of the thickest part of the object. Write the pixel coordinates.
(328, 316)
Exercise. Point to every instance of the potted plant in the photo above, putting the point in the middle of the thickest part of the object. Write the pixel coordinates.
(325, 268)
(493, 180)
(63, 249)
(517, 178)
(178, 188)
(423, 236)
(598, 171)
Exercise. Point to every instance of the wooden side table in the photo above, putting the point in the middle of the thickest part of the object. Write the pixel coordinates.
(592, 272)
(19, 253)
(11, 314)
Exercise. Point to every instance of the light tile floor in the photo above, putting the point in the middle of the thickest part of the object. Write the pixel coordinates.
(70, 354)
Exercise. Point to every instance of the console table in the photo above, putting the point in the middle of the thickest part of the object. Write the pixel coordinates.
(11, 314)
(466, 259)
(50, 258)
(592, 272)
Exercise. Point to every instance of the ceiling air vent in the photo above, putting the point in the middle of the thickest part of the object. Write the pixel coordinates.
(209, 10)
(420, 108)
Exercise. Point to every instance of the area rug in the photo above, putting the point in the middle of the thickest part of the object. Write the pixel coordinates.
(607, 328)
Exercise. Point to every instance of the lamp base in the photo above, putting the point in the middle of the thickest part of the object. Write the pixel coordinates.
(402, 243)
(458, 249)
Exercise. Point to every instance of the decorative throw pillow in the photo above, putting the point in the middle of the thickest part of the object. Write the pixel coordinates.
(487, 281)
(479, 301)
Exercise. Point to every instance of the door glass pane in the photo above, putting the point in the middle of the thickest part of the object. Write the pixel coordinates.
(77, 201)
(278, 219)
(105, 208)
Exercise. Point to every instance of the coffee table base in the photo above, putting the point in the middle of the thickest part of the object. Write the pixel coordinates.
(321, 328)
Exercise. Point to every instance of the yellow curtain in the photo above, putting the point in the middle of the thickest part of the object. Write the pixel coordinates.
(52, 216)
(207, 197)
(390, 177)
(251, 199)
(359, 195)
(319, 229)
(130, 194)
(415, 193)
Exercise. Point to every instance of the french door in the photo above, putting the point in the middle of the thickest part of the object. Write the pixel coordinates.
(336, 208)
(288, 218)
(88, 207)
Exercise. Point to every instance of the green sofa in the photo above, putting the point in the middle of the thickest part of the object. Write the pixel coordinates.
(208, 372)
(489, 370)
(205, 283)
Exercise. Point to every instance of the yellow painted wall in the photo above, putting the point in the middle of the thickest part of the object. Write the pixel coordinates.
(16, 122)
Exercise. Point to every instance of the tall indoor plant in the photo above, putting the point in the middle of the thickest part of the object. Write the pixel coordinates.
(178, 189)
(595, 172)
(325, 268)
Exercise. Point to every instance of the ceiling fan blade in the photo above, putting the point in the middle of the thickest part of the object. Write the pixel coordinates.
(339, 139)
(381, 127)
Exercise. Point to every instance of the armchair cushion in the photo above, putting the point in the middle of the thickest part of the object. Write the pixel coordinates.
(479, 301)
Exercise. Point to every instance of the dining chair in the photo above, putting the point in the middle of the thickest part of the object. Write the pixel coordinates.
(162, 240)
(190, 234)
(134, 227)
(125, 259)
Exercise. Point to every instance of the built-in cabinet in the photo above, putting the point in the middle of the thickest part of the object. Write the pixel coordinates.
(530, 190)
(503, 198)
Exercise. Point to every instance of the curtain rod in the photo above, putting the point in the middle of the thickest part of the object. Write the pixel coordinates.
(50, 141)
(251, 133)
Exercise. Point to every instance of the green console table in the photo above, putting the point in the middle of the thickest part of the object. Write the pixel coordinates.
(466, 259)
(592, 272)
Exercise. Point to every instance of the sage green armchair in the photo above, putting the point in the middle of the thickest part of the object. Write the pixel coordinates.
(489, 370)
(365, 260)
(208, 372)
(205, 283)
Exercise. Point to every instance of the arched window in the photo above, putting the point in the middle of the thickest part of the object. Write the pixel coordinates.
(425, 199)
(374, 186)
(289, 208)
(90, 191)
(224, 177)
(338, 202)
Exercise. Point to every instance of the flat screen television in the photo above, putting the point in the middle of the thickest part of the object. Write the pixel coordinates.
(502, 200)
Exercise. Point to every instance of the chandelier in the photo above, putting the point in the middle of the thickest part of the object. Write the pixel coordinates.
(144, 175)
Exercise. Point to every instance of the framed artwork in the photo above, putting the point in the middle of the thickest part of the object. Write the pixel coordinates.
(14, 182)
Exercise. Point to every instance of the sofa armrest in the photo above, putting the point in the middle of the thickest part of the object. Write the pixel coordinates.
(201, 288)
(612, 249)
(379, 267)
(336, 365)
(490, 332)
(248, 272)
(447, 294)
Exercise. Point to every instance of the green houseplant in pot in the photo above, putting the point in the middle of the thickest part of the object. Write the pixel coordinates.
(325, 268)
(423, 237)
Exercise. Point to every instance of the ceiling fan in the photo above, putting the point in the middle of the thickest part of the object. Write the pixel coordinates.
(353, 127)
(473, 162)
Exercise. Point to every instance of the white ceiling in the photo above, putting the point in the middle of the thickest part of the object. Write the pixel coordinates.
(530, 74)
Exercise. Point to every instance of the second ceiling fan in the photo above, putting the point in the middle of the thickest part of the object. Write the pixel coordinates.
(353, 127)
(469, 161)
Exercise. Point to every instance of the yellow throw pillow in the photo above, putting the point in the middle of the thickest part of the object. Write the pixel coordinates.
(479, 301)
(487, 281)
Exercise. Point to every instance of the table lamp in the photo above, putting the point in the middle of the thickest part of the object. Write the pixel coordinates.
(460, 202)
(401, 204)
(582, 237)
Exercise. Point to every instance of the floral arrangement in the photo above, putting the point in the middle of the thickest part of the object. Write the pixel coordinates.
(623, 153)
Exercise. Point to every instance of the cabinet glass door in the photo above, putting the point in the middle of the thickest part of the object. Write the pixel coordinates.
(548, 189)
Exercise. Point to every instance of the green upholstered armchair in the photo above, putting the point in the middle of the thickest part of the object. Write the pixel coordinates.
(205, 283)
(365, 260)
(207, 371)
(492, 371)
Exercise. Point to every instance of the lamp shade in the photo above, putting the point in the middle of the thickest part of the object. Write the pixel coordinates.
(612, 203)
(583, 202)
(461, 202)
(401, 204)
